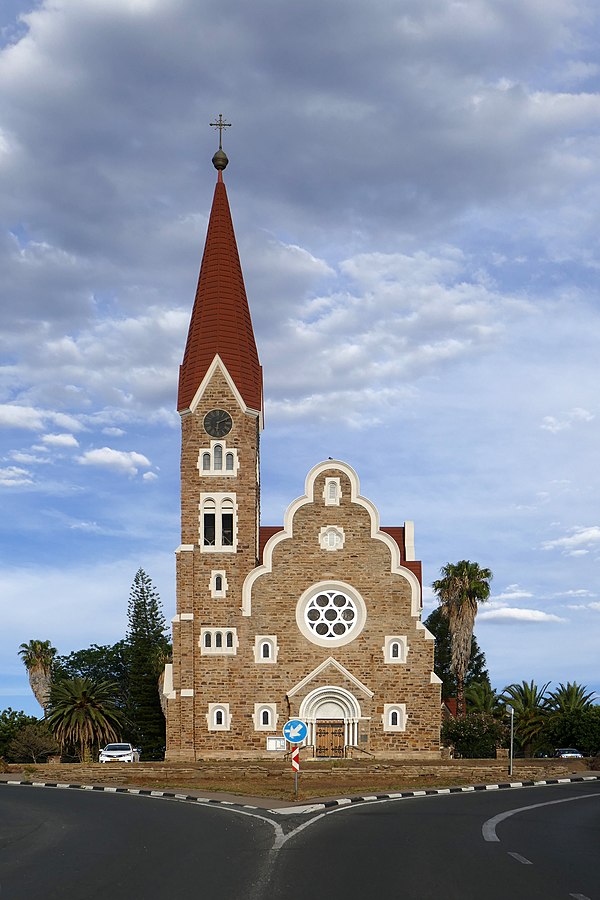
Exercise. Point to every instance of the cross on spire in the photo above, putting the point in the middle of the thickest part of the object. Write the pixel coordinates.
(221, 124)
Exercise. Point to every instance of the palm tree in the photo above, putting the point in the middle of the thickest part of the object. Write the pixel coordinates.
(83, 714)
(38, 657)
(569, 697)
(481, 697)
(529, 704)
(462, 586)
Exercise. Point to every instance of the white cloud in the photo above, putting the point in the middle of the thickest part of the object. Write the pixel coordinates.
(117, 460)
(512, 592)
(567, 420)
(515, 614)
(60, 440)
(579, 542)
(21, 417)
(13, 476)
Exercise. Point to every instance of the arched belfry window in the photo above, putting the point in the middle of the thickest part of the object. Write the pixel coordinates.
(218, 460)
(218, 524)
(218, 457)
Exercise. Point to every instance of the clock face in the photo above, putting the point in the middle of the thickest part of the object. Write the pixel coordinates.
(217, 423)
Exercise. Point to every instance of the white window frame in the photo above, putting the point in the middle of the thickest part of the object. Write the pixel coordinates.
(223, 650)
(332, 492)
(388, 709)
(324, 586)
(221, 501)
(259, 641)
(212, 471)
(211, 716)
(271, 708)
(215, 592)
(331, 537)
(402, 641)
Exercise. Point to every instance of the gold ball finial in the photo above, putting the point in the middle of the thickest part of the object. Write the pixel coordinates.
(220, 160)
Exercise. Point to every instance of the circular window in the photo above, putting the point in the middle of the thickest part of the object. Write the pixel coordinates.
(330, 614)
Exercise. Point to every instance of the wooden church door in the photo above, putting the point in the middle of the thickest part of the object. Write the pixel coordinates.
(330, 738)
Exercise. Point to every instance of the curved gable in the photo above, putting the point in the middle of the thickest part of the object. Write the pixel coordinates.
(333, 466)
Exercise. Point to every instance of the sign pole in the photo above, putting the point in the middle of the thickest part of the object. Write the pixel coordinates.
(296, 769)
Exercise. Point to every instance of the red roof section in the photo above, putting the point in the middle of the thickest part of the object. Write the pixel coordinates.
(221, 320)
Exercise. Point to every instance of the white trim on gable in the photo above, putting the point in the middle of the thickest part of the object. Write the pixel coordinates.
(330, 661)
(218, 363)
(355, 497)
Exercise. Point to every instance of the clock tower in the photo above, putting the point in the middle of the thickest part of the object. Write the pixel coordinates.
(221, 407)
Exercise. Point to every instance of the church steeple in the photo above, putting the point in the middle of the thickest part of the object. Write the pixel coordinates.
(221, 323)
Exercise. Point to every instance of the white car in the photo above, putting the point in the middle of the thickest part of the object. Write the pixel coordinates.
(119, 753)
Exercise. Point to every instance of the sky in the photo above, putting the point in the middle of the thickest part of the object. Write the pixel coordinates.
(415, 191)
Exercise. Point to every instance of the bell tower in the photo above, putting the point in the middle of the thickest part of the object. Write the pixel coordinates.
(220, 402)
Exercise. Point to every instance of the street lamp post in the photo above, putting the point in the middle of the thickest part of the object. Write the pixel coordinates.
(511, 713)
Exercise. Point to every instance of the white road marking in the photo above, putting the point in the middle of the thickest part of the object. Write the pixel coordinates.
(579, 897)
(489, 827)
(521, 859)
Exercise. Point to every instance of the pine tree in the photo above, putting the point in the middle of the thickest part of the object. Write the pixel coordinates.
(148, 649)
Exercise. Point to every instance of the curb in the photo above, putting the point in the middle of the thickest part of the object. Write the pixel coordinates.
(305, 808)
(429, 792)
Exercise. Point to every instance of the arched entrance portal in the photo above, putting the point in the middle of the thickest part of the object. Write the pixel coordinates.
(332, 715)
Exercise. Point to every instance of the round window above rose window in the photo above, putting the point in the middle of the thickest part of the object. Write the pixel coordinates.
(331, 613)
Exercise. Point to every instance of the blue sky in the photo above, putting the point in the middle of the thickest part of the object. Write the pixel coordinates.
(415, 191)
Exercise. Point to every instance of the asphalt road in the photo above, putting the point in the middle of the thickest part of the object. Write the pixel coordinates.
(495, 845)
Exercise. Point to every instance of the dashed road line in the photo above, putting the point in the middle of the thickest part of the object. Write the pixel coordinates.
(519, 858)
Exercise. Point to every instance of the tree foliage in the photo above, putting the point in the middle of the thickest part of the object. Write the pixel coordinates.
(11, 722)
(569, 697)
(475, 735)
(437, 623)
(98, 663)
(83, 715)
(461, 588)
(529, 704)
(33, 742)
(38, 658)
(148, 649)
(578, 728)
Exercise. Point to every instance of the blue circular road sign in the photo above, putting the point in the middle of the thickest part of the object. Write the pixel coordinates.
(295, 731)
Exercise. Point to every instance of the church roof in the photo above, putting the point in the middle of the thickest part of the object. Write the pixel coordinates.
(221, 322)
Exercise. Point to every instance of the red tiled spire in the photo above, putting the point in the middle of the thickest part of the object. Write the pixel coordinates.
(221, 320)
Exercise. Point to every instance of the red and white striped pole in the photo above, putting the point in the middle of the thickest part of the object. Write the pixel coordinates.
(296, 769)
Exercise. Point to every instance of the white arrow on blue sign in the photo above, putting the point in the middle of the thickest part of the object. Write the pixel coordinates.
(295, 731)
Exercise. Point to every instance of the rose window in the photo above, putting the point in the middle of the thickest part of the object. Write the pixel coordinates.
(331, 614)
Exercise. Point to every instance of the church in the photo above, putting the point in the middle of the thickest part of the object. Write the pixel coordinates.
(318, 618)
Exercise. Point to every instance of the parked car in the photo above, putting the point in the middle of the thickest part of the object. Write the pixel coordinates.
(568, 753)
(119, 753)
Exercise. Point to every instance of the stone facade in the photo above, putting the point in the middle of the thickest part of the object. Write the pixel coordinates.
(321, 623)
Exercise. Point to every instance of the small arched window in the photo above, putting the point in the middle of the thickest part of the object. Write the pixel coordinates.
(395, 650)
(218, 456)
(229, 462)
(394, 717)
(229, 639)
(218, 717)
(265, 717)
(218, 639)
(208, 639)
(218, 582)
(206, 462)
(265, 650)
